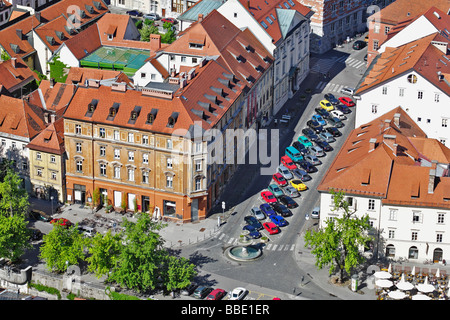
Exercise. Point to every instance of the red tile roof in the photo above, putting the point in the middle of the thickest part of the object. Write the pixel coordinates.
(55, 32)
(51, 139)
(14, 74)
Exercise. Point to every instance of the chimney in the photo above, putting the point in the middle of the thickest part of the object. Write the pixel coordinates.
(13, 62)
(389, 140)
(248, 4)
(397, 119)
(431, 179)
(155, 42)
(52, 118)
(372, 144)
(46, 117)
(200, 17)
(386, 124)
(52, 82)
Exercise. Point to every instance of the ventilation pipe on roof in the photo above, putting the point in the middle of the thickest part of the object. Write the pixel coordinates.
(200, 17)
(397, 119)
(372, 144)
(13, 62)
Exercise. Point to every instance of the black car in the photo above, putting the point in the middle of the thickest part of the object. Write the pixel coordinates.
(252, 221)
(288, 202)
(202, 291)
(281, 209)
(335, 122)
(134, 13)
(310, 134)
(300, 147)
(307, 166)
(315, 125)
(301, 174)
(324, 145)
(324, 113)
(334, 131)
(189, 289)
(359, 44)
(343, 108)
(331, 98)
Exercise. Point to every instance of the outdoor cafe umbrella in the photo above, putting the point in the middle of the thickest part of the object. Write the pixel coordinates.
(438, 273)
(397, 294)
(425, 287)
(390, 268)
(382, 275)
(383, 283)
(404, 285)
(420, 297)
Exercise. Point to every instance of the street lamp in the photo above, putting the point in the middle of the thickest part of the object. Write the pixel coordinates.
(51, 199)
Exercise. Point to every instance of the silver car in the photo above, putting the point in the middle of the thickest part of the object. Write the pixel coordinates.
(285, 172)
(313, 160)
(315, 213)
(326, 136)
(347, 90)
(257, 213)
(316, 151)
(291, 192)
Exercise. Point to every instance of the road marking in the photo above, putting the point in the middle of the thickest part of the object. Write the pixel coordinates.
(293, 247)
(275, 247)
(269, 246)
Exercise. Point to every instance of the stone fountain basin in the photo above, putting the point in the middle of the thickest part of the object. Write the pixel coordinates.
(243, 253)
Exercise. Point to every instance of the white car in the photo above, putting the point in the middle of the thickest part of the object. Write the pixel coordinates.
(285, 172)
(238, 293)
(338, 114)
(315, 213)
(347, 90)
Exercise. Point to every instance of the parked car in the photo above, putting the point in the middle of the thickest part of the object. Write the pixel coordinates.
(282, 210)
(359, 44)
(35, 234)
(307, 166)
(267, 209)
(313, 160)
(61, 221)
(171, 20)
(189, 289)
(331, 98)
(316, 126)
(39, 215)
(337, 114)
(324, 113)
(316, 151)
(304, 140)
(298, 185)
(86, 231)
(202, 291)
(252, 231)
(271, 227)
(347, 101)
(348, 91)
(300, 147)
(324, 145)
(301, 174)
(325, 104)
(216, 294)
(252, 221)
(365, 57)
(151, 16)
(257, 213)
(134, 13)
(288, 202)
(279, 221)
(326, 136)
(238, 293)
(310, 134)
(293, 154)
(343, 108)
(284, 172)
(334, 131)
(288, 163)
(315, 213)
(268, 197)
(291, 192)
(276, 191)
(335, 122)
(279, 179)
(319, 119)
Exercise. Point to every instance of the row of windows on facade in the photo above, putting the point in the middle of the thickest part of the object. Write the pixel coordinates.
(401, 93)
(131, 175)
(13, 145)
(415, 235)
(340, 23)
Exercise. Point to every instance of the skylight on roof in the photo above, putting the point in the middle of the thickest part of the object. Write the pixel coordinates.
(286, 5)
(291, 2)
(269, 20)
(271, 15)
(264, 24)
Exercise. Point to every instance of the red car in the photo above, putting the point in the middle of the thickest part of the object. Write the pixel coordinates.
(268, 197)
(271, 227)
(62, 221)
(288, 163)
(171, 20)
(216, 294)
(347, 101)
(279, 179)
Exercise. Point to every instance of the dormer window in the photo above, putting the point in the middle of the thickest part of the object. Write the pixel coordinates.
(172, 120)
(50, 40)
(91, 107)
(134, 114)
(152, 116)
(113, 111)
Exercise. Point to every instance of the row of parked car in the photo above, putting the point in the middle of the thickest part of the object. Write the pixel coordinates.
(300, 159)
(208, 293)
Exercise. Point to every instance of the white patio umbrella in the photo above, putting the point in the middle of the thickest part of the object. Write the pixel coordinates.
(420, 297)
(438, 273)
(390, 268)
(397, 294)
(425, 287)
(413, 271)
(404, 285)
(383, 283)
(382, 275)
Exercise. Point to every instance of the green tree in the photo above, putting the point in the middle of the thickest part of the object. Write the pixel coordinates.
(62, 247)
(177, 273)
(13, 198)
(147, 30)
(140, 257)
(338, 244)
(104, 251)
(14, 237)
(169, 35)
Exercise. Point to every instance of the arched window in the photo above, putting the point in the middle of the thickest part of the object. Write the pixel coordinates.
(413, 253)
(390, 250)
(412, 78)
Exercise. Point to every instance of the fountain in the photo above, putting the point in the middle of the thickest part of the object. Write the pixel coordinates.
(243, 253)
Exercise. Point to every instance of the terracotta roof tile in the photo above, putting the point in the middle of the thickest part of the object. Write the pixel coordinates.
(51, 139)
(14, 73)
